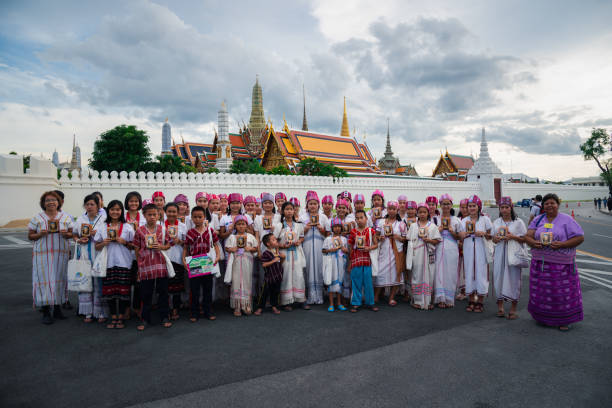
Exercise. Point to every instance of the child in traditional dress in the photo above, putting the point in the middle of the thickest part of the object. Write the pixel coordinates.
(239, 273)
(202, 200)
(348, 223)
(423, 237)
(327, 203)
(159, 199)
(264, 223)
(223, 202)
(183, 207)
(279, 200)
(291, 235)
(213, 213)
(116, 235)
(345, 195)
(409, 219)
(335, 251)
(133, 205)
(463, 212)
(296, 204)
(402, 199)
(148, 243)
(432, 205)
(91, 304)
(475, 228)
(361, 241)
(177, 231)
(201, 240)
(447, 254)
(507, 278)
(378, 212)
(271, 260)
(315, 231)
(51, 232)
(391, 235)
(250, 207)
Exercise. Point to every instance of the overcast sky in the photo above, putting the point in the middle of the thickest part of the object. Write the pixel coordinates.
(536, 74)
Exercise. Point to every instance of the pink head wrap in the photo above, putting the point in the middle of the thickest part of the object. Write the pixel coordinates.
(312, 195)
(343, 202)
(446, 197)
(240, 217)
(280, 195)
(294, 201)
(158, 194)
(181, 198)
(202, 194)
(336, 221)
(411, 204)
(463, 201)
(249, 199)
(346, 195)
(378, 193)
(393, 204)
(505, 201)
(213, 197)
(402, 197)
(328, 200)
(359, 197)
(475, 200)
(235, 197)
(146, 201)
(267, 197)
(431, 199)
(222, 196)
(424, 205)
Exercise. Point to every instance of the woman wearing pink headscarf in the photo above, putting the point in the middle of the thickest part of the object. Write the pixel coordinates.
(447, 254)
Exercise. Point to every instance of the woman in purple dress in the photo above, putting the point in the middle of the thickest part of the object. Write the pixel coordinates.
(555, 298)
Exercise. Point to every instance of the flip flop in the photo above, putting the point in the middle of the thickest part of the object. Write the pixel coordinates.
(330, 309)
(512, 316)
(392, 303)
(341, 307)
(500, 314)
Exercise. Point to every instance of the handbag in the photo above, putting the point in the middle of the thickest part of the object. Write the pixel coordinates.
(79, 274)
(98, 269)
(518, 254)
(169, 266)
(373, 255)
(489, 247)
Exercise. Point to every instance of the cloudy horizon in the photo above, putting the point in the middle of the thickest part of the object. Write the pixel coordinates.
(536, 75)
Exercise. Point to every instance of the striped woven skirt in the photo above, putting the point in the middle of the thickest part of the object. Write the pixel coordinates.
(116, 284)
(555, 298)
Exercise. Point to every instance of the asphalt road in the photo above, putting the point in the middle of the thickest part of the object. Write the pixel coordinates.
(396, 357)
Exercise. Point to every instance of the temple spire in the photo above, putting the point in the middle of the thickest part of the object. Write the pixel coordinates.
(345, 126)
(388, 150)
(304, 121)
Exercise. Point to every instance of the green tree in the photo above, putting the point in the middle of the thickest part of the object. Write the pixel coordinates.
(280, 170)
(173, 164)
(212, 170)
(251, 166)
(313, 167)
(121, 148)
(598, 147)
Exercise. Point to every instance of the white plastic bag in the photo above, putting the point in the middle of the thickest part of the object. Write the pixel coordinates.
(98, 269)
(518, 254)
(79, 274)
(489, 247)
(373, 256)
(169, 266)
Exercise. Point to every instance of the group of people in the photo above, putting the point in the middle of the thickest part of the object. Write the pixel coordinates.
(607, 203)
(269, 250)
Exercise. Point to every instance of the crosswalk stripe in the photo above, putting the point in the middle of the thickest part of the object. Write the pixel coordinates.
(16, 240)
(595, 280)
(596, 271)
(593, 262)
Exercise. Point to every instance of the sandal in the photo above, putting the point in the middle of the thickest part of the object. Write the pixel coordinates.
(415, 306)
(275, 311)
(175, 315)
(341, 307)
(87, 320)
(392, 303)
(237, 313)
(102, 320)
(112, 324)
(354, 309)
(119, 324)
(500, 313)
(306, 306)
(141, 326)
(167, 323)
(564, 328)
(373, 308)
(212, 317)
(441, 305)
(470, 307)
(258, 312)
(512, 316)
(193, 319)
(288, 308)
(479, 308)
(330, 308)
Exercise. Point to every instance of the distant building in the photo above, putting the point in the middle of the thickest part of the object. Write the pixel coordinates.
(453, 167)
(389, 164)
(486, 172)
(587, 181)
(166, 138)
(75, 158)
(519, 178)
(55, 159)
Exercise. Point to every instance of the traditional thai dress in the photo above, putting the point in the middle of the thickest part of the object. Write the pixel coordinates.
(239, 273)
(176, 285)
(475, 258)
(555, 297)
(506, 278)
(423, 263)
(50, 256)
(292, 286)
(387, 261)
(336, 262)
(118, 280)
(91, 303)
(312, 245)
(346, 279)
(375, 222)
(447, 263)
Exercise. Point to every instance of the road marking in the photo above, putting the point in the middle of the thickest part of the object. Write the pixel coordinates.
(17, 240)
(594, 271)
(580, 219)
(605, 258)
(593, 279)
(605, 236)
(580, 260)
(12, 246)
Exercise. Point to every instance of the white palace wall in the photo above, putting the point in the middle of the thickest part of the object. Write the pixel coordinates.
(21, 192)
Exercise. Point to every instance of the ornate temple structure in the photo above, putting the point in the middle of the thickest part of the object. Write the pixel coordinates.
(486, 172)
(453, 167)
(389, 164)
(166, 138)
(283, 147)
(75, 159)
